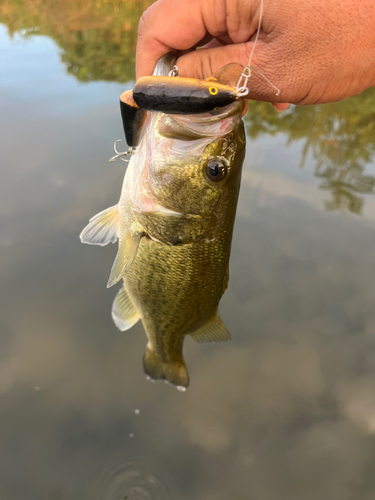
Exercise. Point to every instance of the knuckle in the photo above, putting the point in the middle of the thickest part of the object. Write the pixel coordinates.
(144, 22)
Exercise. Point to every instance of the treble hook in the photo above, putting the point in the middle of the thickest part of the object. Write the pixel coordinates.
(130, 151)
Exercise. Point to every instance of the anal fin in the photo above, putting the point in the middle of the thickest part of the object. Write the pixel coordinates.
(124, 312)
(213, 331)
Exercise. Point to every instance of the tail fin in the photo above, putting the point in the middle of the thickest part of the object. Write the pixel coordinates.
(174, 372)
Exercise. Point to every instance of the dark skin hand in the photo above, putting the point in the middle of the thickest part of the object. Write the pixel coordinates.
(314, 51)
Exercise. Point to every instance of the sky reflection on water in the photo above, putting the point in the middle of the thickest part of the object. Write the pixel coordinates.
(284, 411)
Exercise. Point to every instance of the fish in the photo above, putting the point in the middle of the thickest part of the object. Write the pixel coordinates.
(174, 225)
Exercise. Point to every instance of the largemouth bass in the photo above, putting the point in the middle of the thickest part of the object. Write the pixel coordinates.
(174, 225)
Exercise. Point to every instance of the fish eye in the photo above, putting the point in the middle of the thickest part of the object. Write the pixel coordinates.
(216, 170)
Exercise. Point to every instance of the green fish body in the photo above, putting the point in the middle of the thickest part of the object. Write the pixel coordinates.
(174, 224)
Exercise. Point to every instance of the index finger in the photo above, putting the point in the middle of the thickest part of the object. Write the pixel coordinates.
(167, 26)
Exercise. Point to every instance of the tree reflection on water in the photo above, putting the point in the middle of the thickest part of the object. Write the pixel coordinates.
(97, 41)
(96, 38)
(339, 136)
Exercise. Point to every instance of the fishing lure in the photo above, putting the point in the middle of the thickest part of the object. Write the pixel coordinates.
(181, 95)
(174, 96)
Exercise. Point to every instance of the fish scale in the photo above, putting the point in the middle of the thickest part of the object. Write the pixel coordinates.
(176, 289)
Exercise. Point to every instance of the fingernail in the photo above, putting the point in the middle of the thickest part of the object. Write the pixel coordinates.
(280, 106)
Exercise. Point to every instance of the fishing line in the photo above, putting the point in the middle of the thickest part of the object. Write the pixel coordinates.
(241, 87)
(258, 31)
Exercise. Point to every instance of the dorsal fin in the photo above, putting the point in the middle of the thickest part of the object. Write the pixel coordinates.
(127, 249)
(102, 228)
(124, 312)
(213, 331)
(228, 75)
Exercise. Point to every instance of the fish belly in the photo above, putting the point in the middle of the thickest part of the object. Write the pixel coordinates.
(176, 290)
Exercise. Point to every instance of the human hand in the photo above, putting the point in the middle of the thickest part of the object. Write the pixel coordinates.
(314, 51)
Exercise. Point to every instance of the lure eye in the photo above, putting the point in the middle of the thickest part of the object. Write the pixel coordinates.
(215, 170)
(213, 90)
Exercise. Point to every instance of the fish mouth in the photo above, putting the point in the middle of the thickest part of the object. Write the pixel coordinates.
(163, 68)
(193, 127)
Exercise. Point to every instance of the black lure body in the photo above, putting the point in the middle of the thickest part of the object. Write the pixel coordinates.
(175, 95)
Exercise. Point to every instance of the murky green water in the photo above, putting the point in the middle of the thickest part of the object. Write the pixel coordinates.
(286, 410)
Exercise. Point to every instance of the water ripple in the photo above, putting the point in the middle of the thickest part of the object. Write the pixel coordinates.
(134, 479)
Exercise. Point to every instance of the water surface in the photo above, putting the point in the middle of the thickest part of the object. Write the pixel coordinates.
(286, 410)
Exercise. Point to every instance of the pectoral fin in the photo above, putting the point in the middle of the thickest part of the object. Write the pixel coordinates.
(124, 312)
(102, 228)
(213, 331)
(128, 246)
